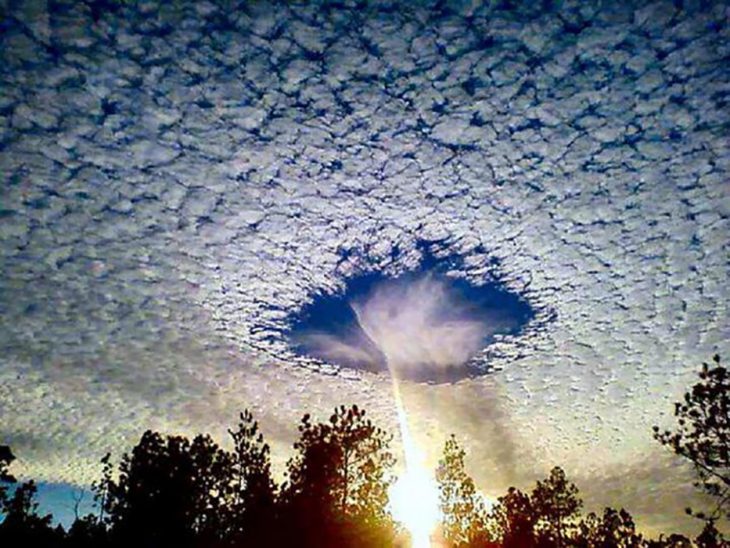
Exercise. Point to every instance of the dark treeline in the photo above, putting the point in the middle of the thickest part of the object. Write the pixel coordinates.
(173, 491)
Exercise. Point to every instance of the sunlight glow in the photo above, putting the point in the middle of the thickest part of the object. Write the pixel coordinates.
(414, 499)
(414, 503)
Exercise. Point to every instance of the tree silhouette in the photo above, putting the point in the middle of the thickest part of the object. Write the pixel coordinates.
(6, 459)
(337, 488)
(23, 526)
(710, 537)
(254, 497)
(673, 541)
(702, 435)
(613, 529)
(170, 492)
(87, 532)
(464, 515)
(556, 505)
(514, 517)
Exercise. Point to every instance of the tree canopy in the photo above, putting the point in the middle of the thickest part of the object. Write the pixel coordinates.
(462, 507)
(702, 435)
(170, 490)
(338, 480)
(556, 506)
(253, 506)
(173, 491)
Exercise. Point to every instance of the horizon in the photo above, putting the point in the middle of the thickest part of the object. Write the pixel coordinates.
(506, 221)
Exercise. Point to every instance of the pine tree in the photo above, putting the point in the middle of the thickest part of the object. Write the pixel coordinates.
(170, 491)
(613, 529)
(514, 517)
(556, 505)
(338, 480)
(464, 514)
(253, 505)
(702, 436)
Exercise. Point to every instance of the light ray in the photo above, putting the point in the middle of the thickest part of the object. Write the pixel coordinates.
(414, 496)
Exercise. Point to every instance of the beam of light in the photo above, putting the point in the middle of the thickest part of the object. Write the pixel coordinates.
(400, 322)
(414, 500)
(415, 328)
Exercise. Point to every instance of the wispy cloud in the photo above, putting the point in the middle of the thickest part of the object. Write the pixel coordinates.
(420, 328)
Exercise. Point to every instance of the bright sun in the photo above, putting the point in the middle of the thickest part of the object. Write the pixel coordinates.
(414, 503)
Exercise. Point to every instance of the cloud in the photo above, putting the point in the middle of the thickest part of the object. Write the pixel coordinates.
(179, 181)
(349, 349)
(422, 327)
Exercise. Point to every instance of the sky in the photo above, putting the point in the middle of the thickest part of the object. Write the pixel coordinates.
(182, 182)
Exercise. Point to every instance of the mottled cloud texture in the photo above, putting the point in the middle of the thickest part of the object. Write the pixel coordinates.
(178, 177)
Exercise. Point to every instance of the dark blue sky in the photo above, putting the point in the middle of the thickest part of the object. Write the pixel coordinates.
(332, 313)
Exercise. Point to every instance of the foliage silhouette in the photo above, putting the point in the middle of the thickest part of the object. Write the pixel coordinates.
(190, 493)
(6, 458)
(336, 492)
(253, 508)
(702, 436)
(87, 532)
(556, 505)
(710, 537)
(613, 529)
(548, 517)
(515, 520)
(172, 491)
(23, 526)
(464, 513)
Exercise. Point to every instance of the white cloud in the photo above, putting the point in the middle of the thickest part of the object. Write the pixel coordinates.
(622, 236)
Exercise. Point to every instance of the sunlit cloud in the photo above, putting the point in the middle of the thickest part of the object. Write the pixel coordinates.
(418, 327)
(183, 178)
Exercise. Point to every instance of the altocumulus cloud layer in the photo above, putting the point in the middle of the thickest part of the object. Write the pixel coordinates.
(177, 178)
